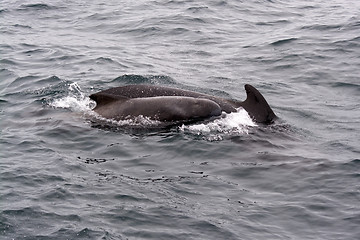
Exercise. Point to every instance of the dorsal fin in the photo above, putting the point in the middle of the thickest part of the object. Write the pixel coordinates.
(257, 107)
(105, 98)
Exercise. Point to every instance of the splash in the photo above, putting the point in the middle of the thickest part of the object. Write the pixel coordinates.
(75, 101)
(236, 123)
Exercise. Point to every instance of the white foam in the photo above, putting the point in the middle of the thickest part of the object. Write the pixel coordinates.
(236, 123)
(139, 121)
(75, 101)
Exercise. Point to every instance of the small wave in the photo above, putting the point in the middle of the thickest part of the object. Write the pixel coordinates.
(140, 79)
(283, 41)
(197, 9)
(323, 27)
(37, 6)
(273, 23)
(22, 26)
(353, 86)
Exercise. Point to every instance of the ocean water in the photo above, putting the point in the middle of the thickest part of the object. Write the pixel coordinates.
(68, 174)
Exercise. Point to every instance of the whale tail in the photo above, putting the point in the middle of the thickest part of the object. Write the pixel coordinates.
(257, 107)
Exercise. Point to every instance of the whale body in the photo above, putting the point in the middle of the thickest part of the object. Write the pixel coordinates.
(159, 108)
(173, 104)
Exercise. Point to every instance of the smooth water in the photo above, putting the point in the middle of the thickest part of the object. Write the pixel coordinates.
(67, 174)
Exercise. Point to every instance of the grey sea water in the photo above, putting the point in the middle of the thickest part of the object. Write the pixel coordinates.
(66, 174)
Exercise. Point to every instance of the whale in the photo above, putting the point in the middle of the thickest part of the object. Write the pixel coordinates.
(158, 108)
(173, 104)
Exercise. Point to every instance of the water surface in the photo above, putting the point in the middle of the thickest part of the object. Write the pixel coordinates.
(67, 175)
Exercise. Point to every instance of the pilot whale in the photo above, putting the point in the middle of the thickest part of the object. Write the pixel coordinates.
(173, 104)
(159, 108)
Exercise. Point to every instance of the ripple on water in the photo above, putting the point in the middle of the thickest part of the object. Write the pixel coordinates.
(66, 174)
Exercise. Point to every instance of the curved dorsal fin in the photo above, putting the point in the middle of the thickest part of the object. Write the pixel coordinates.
(257, 107)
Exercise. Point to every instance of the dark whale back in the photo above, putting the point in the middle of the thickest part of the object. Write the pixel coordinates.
(143, 91)
(160, 108)
(255, 104)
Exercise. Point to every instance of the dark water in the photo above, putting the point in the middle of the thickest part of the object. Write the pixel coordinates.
(67, 175)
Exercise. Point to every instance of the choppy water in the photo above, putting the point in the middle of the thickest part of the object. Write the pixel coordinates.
(67, 175)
